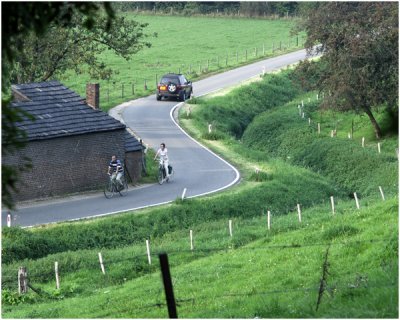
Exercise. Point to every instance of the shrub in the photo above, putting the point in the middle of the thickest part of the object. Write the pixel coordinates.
(234, 112)
(282, 133)
(280, 195)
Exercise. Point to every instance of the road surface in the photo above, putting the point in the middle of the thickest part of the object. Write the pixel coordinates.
(197, 169)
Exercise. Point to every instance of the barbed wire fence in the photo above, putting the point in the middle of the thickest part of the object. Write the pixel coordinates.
(143, 85)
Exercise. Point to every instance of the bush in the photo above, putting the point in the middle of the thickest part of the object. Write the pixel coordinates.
(233, 113)
(280, 195)
(282, 133)
(20, 243)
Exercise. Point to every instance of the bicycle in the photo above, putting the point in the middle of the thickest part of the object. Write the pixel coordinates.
(161, 174)
(112, 187)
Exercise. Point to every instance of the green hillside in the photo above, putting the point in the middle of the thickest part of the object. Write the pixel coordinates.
(256, 272)
(180, 45)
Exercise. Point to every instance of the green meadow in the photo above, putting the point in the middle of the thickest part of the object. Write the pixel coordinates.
(196, 47)
(319, 262)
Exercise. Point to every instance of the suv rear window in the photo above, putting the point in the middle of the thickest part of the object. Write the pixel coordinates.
(166, 80)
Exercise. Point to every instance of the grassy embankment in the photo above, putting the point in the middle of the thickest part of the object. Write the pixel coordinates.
(196, 47)
(258, 272)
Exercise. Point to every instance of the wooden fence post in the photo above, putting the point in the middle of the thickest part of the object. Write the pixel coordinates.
(269, 219)
(381, 191)
(363, 142)
(230, 228)
(57, 275)
(22, 280)
(319, 128)
(168, 288)
(357, 203)
(9, 220)
(333, 205)
(299, 212)
(101, 264)
(191, 239)
(148, 251)
(379, 147)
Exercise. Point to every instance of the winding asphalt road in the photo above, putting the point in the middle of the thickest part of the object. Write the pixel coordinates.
(196, 168)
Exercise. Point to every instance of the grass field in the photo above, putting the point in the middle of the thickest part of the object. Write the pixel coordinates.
(193, 46)
(257, 272)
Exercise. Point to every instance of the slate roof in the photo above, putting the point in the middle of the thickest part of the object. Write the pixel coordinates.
(59, 112)
(131, 143)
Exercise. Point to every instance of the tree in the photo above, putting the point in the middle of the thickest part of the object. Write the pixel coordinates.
(23, 26)
(359, 43)
(74, 47)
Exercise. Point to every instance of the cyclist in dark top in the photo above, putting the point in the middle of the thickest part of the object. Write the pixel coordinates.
(115, 170)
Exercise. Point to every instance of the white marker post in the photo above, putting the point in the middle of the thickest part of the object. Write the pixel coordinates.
(299, 212)
(184, 193)
(269, 219)
(148, 251)
(302, 103)
(319, 128)
(191, 239)
(102, 264)
(357, 203)
(363, 142)
(9, 220)
(379, 147)
(333, 205)
(309, 121)
(381, 191)
(302, 115)
(209, 128)
(57, 276)
(263, 70)
(230, 228)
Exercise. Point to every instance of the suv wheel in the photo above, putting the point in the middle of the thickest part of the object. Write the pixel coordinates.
(171, 87)
(183, 95)
(158, 97)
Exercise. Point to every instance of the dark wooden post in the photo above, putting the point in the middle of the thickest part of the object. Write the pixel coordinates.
(169, 292)
(22, 280)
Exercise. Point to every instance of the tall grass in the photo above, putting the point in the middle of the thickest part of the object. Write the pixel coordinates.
(258, 272)
(272, 274)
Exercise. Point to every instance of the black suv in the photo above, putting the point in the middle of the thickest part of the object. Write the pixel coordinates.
(174, 85)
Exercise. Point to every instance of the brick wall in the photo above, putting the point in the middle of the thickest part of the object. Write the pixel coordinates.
(68, 164)
(133, 163)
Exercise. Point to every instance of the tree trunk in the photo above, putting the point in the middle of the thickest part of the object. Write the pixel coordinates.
(377, 128)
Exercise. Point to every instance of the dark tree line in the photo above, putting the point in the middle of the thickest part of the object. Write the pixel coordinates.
(249, 9)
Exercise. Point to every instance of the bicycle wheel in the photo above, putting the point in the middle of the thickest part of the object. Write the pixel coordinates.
(109, 190)
(124, 191)
(160, 176)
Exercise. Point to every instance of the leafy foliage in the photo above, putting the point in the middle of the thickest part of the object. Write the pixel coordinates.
(234, 113)
(359, 42)
(72, 46)
(282, 133)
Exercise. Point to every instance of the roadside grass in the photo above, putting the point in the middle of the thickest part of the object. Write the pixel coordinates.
(276, 274)
(196, 47)
(256, 273)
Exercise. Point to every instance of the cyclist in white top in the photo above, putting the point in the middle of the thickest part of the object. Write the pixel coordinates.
(163, 154)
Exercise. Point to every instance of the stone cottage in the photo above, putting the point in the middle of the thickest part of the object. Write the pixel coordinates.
(70, 142)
